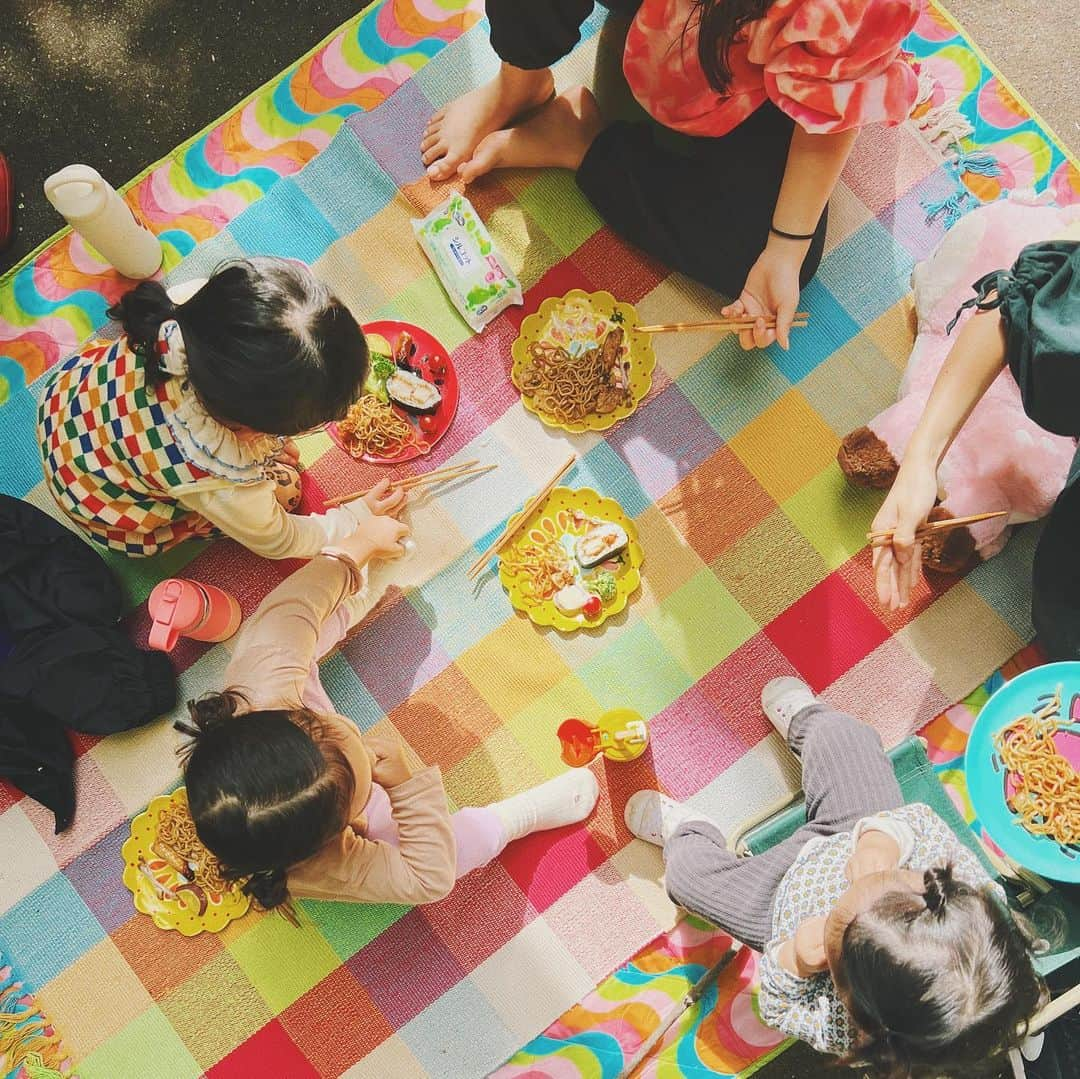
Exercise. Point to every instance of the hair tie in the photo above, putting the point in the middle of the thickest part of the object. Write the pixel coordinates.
(172, 353)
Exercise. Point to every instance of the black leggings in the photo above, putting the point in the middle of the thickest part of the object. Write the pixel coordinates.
(701, 205)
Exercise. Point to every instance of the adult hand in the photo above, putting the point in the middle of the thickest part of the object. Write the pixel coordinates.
(771, 289)
(384, 501)
(375, 537)
(389, 766)
(906, 507)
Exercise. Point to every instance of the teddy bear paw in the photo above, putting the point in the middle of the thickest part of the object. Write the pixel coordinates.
(952, 551)
(866, 460)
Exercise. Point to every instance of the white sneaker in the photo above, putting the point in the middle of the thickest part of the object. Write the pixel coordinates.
(655, 817)
(783, 699)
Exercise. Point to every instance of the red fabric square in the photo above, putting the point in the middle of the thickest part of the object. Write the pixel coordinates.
(546, 865)
(827, 632)
(483, 364)
(336, 1023)
(859, 573)
(269, 1051)
(613, 264)
(506, 912)
(83, 743)
(406, 968)
(9, 796)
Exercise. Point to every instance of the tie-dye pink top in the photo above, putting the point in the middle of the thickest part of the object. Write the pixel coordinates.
(829, 64)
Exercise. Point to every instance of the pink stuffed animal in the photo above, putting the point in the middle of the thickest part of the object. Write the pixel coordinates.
(1000, 459)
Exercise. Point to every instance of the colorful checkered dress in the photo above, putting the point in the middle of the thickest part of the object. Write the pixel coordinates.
(109, 456)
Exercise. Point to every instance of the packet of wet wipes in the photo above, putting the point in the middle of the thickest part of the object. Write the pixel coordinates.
(473, 272)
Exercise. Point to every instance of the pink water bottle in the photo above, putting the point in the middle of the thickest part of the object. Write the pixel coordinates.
(183, 608)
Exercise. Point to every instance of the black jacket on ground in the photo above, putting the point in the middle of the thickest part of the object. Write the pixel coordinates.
(64, 662)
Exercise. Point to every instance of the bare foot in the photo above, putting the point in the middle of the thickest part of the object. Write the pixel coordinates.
(456, 130)
(556, 136)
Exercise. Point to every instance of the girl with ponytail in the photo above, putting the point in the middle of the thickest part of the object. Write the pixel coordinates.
(883, 939)
(296, 802)
(181, 426)
(753, 107)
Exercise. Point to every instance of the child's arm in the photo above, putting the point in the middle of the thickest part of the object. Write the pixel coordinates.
(420, 869)
(276, 647)
(971, 366)
(801, 1005)
(252, 515)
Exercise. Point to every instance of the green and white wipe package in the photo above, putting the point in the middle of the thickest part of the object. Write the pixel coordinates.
(473, 272)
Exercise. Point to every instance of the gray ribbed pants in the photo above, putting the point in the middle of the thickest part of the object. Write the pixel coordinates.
(846, 776)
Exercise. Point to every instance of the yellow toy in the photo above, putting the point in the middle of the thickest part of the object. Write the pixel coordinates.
(621, 735)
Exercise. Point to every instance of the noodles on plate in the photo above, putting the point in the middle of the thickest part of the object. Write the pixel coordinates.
(1046, 795)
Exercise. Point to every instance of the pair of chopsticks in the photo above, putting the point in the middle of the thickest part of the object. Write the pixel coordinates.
(510, 531)
(428, 479)
(883, 537)
(735, 325)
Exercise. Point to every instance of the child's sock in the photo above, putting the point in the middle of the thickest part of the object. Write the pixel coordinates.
(567, 799)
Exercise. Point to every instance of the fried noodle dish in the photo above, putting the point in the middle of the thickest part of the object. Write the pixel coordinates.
(545, 566)
(1046, 795)
(569, 388)
(373, 427)
(178, 844)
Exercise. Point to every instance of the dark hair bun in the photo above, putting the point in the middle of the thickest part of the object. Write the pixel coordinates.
(209, 712)
(268, 888)
(141, 312)
(938, 888)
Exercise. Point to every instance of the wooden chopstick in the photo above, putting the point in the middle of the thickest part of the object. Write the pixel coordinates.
(451, 472)
(509, 532)
(743, 322)
(431, 480)
(883, 537)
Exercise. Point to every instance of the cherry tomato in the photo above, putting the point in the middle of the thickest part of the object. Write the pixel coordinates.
(593, 606)
(437, 366)
(428, 424)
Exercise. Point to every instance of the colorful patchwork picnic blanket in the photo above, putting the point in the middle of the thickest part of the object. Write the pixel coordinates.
(754, 566)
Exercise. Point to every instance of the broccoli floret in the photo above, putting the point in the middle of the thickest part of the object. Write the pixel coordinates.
(382, 368)
(602, 584)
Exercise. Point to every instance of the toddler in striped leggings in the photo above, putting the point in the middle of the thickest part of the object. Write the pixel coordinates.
(883, 940)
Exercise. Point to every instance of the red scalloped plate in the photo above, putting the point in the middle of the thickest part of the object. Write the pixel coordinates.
(426, 347)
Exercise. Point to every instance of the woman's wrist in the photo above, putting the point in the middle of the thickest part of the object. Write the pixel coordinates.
(784, 247)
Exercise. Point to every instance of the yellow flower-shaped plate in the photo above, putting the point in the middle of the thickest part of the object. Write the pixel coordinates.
(193, 910)
(565, 515)
(577, 322)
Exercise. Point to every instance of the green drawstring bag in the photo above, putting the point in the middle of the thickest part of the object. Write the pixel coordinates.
(1039, 300)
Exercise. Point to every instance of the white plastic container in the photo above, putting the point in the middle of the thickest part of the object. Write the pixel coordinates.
(94, 209)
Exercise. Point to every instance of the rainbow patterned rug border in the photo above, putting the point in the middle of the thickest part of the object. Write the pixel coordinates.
(56, 296)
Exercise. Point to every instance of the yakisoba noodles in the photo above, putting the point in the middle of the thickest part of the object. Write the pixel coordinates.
(176, 835)
(1046, 798)
(373, 427)
(543, 564)
(569, 388)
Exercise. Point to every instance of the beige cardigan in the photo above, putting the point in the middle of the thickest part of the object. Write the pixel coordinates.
(273, 657)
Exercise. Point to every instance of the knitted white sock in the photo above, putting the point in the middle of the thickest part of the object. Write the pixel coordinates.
(566, 799)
